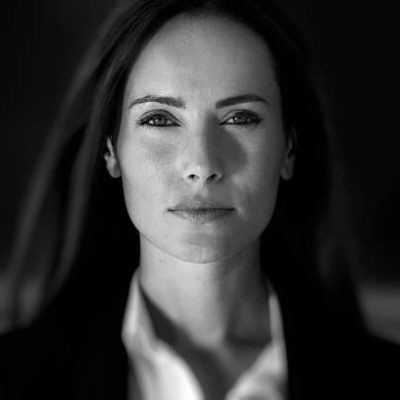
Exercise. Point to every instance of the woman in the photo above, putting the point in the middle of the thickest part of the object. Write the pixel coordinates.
(200, 119)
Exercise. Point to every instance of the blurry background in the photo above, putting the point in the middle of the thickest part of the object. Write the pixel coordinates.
(355, 47)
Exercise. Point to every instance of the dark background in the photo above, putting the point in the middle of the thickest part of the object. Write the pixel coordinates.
(355, 46)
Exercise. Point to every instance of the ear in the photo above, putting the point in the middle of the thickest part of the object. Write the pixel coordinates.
(111, 160)
(288, 162)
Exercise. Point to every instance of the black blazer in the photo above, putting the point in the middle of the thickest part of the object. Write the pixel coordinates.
(75, 352)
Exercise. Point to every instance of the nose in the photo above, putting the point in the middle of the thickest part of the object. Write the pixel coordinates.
(201, 160)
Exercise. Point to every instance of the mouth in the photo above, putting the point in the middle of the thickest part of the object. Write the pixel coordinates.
(201, 215)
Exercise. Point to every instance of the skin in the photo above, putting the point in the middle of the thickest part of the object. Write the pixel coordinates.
(201, 275)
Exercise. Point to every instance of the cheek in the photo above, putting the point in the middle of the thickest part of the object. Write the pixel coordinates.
(263, 180)
(144, 170)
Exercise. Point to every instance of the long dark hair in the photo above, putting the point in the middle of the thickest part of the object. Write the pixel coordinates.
(75, 224)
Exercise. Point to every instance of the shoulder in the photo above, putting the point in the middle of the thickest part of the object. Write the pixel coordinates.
(82, 354)
(384, 354)
(378, 362)
(35, 360)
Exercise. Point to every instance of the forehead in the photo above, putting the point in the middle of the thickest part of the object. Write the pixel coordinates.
(203, 54)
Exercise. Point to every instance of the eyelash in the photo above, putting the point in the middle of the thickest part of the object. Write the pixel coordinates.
(148, 121)
(249, 119)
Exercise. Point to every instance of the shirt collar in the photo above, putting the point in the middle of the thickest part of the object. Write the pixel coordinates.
(266, 377)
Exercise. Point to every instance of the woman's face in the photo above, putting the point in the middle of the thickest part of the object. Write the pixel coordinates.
(201, 147)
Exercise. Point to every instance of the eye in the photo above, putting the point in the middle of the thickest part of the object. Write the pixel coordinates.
(242, 118)
(157, 120)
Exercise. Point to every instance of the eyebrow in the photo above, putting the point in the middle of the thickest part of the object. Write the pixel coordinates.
(169, 101)
(243, 98)
(179, 103)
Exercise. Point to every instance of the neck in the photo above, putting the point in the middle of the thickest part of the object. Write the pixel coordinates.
(209, 303)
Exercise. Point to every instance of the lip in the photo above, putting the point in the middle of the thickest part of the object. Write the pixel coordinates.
(200, 210)
(201, 215)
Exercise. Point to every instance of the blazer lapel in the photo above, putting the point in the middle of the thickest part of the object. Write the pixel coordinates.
(314, 350)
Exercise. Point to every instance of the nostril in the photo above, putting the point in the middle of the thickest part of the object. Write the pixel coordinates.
(212, 177)
(196, 177)
(205, 177)
(193, 177)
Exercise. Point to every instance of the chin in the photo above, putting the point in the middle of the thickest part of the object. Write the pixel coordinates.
(204, 253)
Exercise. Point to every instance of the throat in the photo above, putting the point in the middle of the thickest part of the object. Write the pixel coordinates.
(206, 304)
(209, 321)
(218, 358)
